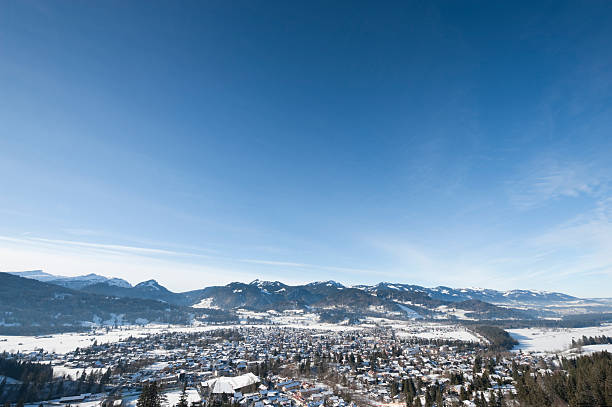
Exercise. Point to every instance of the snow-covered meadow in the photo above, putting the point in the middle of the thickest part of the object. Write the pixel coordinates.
(554, 339)
(66, 342)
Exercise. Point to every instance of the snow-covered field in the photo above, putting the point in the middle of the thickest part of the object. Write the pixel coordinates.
(425, 330)
(62, 343)
(172, 398)
(587, 350)
(130, 400)
(596, 348)
(431, 331)
(94, 401)
(455, 312)
(554, 339)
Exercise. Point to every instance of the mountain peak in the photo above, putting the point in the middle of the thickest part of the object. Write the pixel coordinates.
(150, 284)
(328, 283)
(264, 283)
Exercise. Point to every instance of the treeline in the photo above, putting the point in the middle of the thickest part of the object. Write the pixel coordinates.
(497, 337)
(584, 381)
(591, 340)
(35, 381)
(568, 321)
(25, 371)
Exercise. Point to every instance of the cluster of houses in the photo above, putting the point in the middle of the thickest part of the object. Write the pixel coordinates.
(278, 366)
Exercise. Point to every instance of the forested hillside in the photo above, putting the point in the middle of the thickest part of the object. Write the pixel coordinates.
(584, 381)
(32, 307)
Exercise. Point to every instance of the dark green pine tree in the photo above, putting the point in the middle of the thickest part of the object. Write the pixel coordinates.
(106, 377)
(150, 396)
(477, 364)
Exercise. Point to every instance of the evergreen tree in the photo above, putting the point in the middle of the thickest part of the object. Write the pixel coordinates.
(477, 364)
(150, 396)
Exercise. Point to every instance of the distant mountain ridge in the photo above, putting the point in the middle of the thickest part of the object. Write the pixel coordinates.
(76, 283)
(102, 284)
(55, 303)
(487, 295)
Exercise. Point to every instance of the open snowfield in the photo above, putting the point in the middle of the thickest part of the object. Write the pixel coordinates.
(596, 348)
(172, 398)
(94, 401)
(425, 330)
(432, 331)
(587, 350)
(62, 343)
(554, 339)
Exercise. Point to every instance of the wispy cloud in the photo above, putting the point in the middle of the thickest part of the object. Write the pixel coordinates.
(82, 232)
(582, 245)
(548, 179)
(312, 266)
(132, 265)
(107, 248)
(562, 257)
(413, 263)
(35, 252)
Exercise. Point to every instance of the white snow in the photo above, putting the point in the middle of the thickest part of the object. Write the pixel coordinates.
(587, 350)
(596, 348)
(409, 311)
(456, 312)
(152, 284)
(172, 398)
(554, 339)
(205, 303)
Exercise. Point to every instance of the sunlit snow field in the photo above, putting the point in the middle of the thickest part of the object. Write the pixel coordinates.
(554, 339)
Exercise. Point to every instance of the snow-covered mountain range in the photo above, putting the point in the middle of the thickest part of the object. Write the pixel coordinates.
(261, 295)
(330, 300)
(109, 285)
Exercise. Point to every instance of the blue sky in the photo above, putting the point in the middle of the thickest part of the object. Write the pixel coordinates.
(464, 144)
